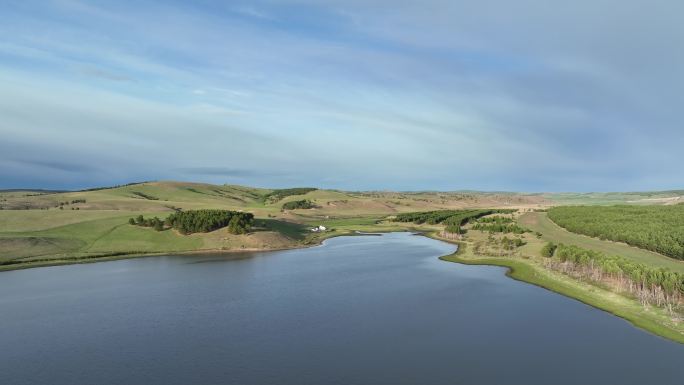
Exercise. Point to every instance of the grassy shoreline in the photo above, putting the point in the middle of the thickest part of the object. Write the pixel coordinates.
(653, 320)
(136, 254)
(107, 257)
(523, 269)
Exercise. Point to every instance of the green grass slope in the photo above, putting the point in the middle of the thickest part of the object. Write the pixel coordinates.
(539, 221)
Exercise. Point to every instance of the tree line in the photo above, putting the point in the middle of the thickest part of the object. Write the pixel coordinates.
(145, 196)
(655, 228)
(651, 285)
(301, 204)
(200, 221)
(452, 219)
(497, 219)
(115, 186)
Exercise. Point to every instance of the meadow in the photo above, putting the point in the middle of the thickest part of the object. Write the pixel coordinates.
(92, 224)
(42, 228)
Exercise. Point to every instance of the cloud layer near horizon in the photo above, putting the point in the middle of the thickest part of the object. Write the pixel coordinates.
(527, 95)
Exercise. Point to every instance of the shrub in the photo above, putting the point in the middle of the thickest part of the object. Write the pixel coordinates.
(548, 250)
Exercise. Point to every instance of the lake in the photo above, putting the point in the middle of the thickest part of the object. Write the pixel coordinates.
(356, 310)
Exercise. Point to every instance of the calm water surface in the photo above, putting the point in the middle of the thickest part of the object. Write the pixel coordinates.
(358, 310)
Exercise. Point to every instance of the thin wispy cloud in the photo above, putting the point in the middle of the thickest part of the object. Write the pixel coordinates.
(347, 94)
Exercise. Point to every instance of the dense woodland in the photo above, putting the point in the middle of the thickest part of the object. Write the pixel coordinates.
(651, 285)
(199, 221)
(302, 204)
(203, 221)
(655, 228)
(452, 219)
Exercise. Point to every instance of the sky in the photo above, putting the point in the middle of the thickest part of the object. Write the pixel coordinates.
(526, 95)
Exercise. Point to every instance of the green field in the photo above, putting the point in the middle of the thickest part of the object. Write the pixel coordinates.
(39, 225)
(655, 228)
(616, 198)
(539, 221)
(44, 228)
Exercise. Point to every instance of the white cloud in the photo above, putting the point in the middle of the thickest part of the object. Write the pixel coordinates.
(440, 93)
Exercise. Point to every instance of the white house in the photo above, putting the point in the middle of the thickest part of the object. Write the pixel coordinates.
(319, 228)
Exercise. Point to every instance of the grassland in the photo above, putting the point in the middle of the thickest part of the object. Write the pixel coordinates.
(615, 198)
(38, 229)
(43, 226)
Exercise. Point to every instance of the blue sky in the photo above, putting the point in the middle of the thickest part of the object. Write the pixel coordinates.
(358, 95)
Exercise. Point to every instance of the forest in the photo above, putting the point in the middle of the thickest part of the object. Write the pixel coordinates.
(452, 219)
(655, 228)
(651, 285)
(204, 221)
(301, 204)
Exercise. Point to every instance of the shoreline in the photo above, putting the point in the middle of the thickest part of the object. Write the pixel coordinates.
(519, 269)
(132, 255)
(597, 297)
(52, 262)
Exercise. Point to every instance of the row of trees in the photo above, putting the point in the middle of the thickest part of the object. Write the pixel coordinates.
(651, 285)
(113, 187)
(302, 204)
(500, 228)
(70, 203)
(452, 219)
(203, 221)
(496, 219)
(145, 196)
(655, 228)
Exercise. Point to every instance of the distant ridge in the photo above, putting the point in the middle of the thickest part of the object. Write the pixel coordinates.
(35, 190)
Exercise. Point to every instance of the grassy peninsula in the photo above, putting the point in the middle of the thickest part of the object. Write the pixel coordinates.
(527, 263)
